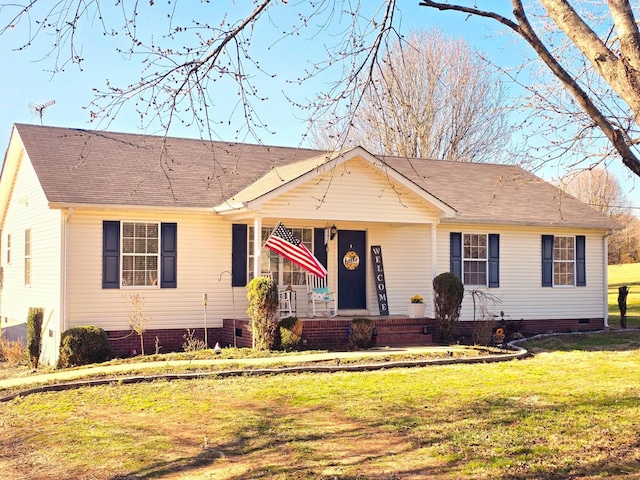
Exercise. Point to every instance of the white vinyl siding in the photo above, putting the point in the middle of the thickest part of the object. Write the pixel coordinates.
(521, 293)
(354, 192)
(40, 284)
(203, 266)
(406, 253)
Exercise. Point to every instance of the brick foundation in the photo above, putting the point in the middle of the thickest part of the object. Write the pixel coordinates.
(332, 333)
(125, 344)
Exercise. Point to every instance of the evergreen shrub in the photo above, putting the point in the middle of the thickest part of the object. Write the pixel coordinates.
(83, 346)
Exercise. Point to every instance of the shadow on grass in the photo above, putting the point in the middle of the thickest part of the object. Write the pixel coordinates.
(479, 435)
(162, 469)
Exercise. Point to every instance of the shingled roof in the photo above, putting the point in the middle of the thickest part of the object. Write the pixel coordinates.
(78, 166)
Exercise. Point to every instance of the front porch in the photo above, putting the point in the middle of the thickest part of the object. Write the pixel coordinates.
(333, 333)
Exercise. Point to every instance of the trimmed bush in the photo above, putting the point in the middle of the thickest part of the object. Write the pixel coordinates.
(34, 335)
(262, 293)
(290, 333)
(448, 292)
(360, 333)
(83, 346)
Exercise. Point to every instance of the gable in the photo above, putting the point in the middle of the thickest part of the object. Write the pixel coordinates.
(20, 189)
(354, 190)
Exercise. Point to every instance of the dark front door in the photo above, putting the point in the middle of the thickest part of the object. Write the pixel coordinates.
(352, 270)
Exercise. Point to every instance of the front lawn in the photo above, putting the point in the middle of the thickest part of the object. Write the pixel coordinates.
(571, 411)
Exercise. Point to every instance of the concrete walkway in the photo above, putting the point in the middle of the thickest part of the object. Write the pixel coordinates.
(135, 372)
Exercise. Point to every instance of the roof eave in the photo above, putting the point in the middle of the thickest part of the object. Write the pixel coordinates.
(523, 223)
(140, 208)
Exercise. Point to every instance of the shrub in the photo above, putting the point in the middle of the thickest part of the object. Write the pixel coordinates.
(448, 292)
(13, 352)
(263, 311)
(483, 318)
(137, 320)
(82, 346)
(192, 343)
(361, 333)
(290, 333)
(34, 335)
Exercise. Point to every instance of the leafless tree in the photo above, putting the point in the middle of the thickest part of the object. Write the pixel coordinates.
(594, 52)
(599, 189)
(431, 97)
(624, 243)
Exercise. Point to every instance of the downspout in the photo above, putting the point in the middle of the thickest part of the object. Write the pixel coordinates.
(606, 280)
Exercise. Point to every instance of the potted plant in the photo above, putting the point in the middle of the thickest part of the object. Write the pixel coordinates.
(417, 307)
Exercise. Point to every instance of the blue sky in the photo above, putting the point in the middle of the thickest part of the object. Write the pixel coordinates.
(27, 79)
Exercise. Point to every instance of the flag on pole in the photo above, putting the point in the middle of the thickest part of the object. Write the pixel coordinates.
(284, 243)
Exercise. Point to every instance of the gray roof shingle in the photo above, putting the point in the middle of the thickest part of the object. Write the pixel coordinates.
(78, 166)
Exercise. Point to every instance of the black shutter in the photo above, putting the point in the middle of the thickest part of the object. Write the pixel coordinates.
(547, 260)
(455, 240)
(110, 254)
(494, 260)
(319, 248)
(169, 255)
(581, 261)
(238, 255)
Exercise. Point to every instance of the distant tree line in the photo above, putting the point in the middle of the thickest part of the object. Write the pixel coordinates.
(600, 189)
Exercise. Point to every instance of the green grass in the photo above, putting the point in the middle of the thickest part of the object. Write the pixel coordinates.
(629, 275)
(571, 411)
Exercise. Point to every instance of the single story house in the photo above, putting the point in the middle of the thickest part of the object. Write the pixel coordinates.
(89, 218)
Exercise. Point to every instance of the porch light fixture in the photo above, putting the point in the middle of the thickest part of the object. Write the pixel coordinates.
(333, 231)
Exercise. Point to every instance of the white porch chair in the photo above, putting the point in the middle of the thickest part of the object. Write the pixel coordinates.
(319, 298)
(285, 300)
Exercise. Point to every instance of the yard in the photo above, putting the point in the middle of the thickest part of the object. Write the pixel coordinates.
(571, 411)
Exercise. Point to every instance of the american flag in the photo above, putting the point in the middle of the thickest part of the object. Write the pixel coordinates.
(284, 243)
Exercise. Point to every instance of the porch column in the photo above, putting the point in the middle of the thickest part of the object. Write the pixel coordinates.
(257, 245)
(434, 262)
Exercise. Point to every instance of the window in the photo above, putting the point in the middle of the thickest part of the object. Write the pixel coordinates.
(8, 249)
(140, 254)
(284, 271)
(563, 261)
(475, 258)
(27, 257)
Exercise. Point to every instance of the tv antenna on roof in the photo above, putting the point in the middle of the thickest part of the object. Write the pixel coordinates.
(39, 109)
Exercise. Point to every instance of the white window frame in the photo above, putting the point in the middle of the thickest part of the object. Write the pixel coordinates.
(9, 249)
(27, 257)
(284, 271)
(560, 262)
(470, 255)
(150, 280)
